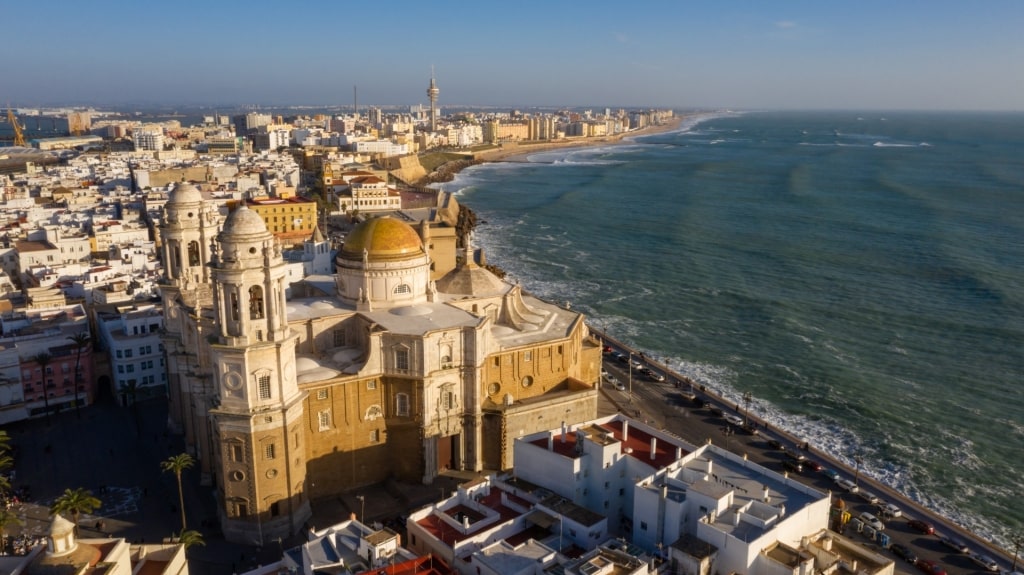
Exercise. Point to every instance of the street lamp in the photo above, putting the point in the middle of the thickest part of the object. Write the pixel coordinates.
(856, 476)
(1018, 541)
(746, 409)
(727, 432)
(631, 376)
(362, 507)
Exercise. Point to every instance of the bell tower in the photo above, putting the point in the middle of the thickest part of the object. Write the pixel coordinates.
(261, 446)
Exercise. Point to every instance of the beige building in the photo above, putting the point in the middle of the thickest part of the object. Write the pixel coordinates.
(377, 372)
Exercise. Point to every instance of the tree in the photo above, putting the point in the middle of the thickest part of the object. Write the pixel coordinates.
(6, 461)
(43, 359)
(177, 464)
(76, 502)
(7, 517)
(191, 537)
(81, 341)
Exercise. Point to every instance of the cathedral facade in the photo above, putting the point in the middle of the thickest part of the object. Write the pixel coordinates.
(389, 369)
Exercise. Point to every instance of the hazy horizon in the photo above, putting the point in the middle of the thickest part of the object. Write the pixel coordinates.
(805, 55)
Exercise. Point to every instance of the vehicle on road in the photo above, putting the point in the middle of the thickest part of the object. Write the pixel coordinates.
(792, 466)
(655, 376)
(716, 411)
(794, 456)
(620, 357)
(888, 510)
(831, 474)
(872, 521)
(987, 562)
(930, 567)
(812, 465)
(734, 420)
(607, 350)
(903, 552)
(638, 366)
(955, 544)
(609, 378)
(847, 485)
(620, 386)
(699, 402)
(922, 526)
(776, 444)
(868, 496)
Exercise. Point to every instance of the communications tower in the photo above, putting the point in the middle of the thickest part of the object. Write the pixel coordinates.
(432, 93)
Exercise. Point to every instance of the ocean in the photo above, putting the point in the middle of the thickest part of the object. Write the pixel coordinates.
(860, 274)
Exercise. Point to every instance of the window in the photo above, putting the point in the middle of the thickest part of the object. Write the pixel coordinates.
(339, 338)
(402, 289)
(447, 400)
(527, 356)
(375, 436)
(402, 359)
(321, 394)
(131, 368)
(264, 383)
(373, 412)
(236, 452)
(268, 451)
(643, 526)
(127, 353)
(120, 369)
(324, 419)
(256, 302)
(372, 384)
(402, 404)
(234, 306)
(193, 253)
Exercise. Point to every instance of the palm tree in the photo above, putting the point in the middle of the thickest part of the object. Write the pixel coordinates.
(177, 464)
(7, 517)
(75, 502)
(44, 359)
(81, 340)
(191, 537)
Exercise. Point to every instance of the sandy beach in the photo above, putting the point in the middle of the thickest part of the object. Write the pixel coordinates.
(512, 152)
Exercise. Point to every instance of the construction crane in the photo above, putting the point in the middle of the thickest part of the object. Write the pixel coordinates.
(19, 136)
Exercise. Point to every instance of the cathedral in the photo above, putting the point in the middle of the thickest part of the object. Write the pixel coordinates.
(389, 369)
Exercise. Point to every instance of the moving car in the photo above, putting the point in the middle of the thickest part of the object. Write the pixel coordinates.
(930, 567)
(985, 561)
(831, 474)
(620, 386)
(716, 411)
(776, 444)
(792, 466)
(903, 552)
(872, 521)
(889, 510)
(812, 465)
(868, 496)
(922, 526)
(955, 544)
(847, 485)
(620, 357)
(655, 376)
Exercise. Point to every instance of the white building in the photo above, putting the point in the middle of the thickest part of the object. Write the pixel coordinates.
(132, 338)
(148, 139)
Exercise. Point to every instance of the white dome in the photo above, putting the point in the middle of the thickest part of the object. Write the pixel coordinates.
(185, 193)
(244, 222)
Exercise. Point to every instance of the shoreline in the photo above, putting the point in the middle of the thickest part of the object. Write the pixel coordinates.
(517, 153)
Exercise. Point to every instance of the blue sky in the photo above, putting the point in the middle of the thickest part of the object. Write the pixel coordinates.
(796, 54)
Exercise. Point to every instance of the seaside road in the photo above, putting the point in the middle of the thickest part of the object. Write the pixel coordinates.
(664, 406)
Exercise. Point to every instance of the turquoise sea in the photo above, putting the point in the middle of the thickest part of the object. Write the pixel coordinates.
(860, 274)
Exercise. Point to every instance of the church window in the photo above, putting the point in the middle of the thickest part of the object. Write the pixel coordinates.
(324, 419)
(339, 338)
(264, 384)
(494, 388)
(275, 509)
(375, 436)
(256, 302)
(447, 400)
(193, 253)
(373, 412)
(372, 384)
(402, 359)
(268, 419)
(268, 451)
(402, 404)
(527, 356)
(236, 452)
(176, 257)
(527, 381)
(402, 289)
(241, 510)
(321, 394)
(234, 306)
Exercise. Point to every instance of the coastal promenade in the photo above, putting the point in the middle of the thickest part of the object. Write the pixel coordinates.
(665, 406)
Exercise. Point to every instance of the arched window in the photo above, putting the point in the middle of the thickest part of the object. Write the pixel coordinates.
(193, 253)
(402, 404)
(402, 289)
(256, 302)
(234, 306)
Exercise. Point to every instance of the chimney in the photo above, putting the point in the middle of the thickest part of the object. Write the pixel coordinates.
(679, 453)
(767, 494)
(465, 522)
(551, 443)
(625, 431)
(654, 447)
(563, 432)
(707, 468)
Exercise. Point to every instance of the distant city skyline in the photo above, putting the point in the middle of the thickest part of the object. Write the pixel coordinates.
(745, 55)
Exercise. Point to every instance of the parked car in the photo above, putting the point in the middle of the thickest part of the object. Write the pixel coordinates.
(903, 552)
(699, 402)
(607, 350)
(889, 510)
(987, 562)
(792, 466)
(930, 567)
(955, 544)
(922, 526)
(831, 474)
(847, 485)
(794, 456)
(620, 386)
(872, 521)
(620, 357)
(716, 411)
(812, 465)
(868, 496)
(776, 444)
(655, 376)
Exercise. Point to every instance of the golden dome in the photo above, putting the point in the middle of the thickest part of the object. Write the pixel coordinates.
(383, 238)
